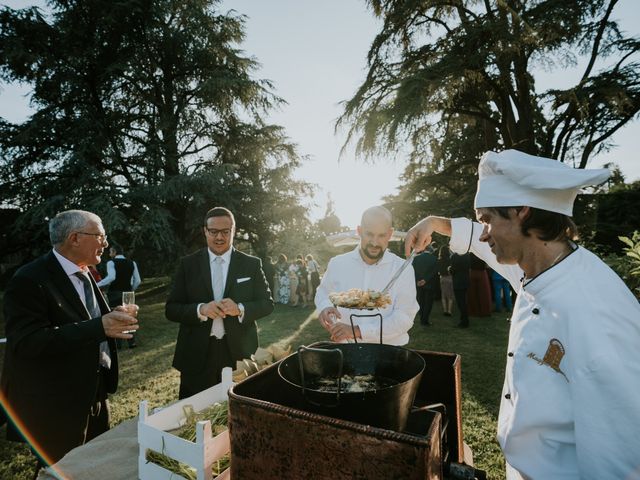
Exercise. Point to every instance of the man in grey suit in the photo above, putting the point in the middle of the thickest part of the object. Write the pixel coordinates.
(216, 296)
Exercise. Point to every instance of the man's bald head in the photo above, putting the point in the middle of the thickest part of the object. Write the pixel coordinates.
(377, 215)
(375, 232)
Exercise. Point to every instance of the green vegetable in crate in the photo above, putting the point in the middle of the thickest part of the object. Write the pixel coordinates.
(217, 415)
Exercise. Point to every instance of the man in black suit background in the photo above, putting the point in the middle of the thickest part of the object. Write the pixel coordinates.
(460, 274)
(61, 358)
(216, 296)
(425, 268)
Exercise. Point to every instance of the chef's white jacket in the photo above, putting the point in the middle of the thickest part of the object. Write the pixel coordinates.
(348, 271)
(571, 398)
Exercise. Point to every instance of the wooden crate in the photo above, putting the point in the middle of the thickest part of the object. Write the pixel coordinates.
(153, 434)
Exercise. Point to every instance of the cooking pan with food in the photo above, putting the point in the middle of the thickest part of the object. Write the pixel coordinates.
(365, 383)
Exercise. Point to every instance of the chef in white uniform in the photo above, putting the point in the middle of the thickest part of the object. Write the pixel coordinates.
(369, 266)
(570, 404)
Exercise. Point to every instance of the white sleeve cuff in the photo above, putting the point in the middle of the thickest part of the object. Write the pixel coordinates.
(461, 235)
(241, 316)
(202, 318)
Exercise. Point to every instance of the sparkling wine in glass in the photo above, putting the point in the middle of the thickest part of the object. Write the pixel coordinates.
(128, 298)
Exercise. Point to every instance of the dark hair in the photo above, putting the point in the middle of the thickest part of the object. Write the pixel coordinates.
(444, 252)
(282, 258)
(548, 225)
(117, 248)
(219, 212)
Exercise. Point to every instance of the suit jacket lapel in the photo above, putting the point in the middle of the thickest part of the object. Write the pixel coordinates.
(63, 283)
(204, 272)
(232, 273)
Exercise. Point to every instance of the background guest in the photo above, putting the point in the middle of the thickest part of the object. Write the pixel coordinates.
(460, 278)
(122, 276)
(446, 281)
(269, 272)
(293, 284)
(425, 266)
(479, 294)
(501, 291)
(313, 267)
(282, 276)
(303, 282)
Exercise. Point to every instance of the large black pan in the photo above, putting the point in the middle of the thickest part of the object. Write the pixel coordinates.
(384, 408)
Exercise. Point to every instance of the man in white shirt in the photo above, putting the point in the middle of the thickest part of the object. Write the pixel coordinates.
(569, 404)
(122, 276)
(369, 266)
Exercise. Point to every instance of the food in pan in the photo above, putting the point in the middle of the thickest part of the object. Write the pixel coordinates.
(356, 298)
(351, 383)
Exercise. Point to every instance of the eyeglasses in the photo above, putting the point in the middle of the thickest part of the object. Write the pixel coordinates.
(102, 237)
(213, 232)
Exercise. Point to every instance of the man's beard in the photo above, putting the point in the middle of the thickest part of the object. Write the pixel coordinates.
(365, 252)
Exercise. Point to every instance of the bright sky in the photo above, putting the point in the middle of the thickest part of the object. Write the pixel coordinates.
(315, 53)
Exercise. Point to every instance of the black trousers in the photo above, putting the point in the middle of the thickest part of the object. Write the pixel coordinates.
(218, 357)
(426, 297)
(461, 301)
(98, 418)
(100, 414)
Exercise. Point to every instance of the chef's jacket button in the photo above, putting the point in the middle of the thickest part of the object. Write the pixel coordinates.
(535, 311)
(507, 396)
(510, 354)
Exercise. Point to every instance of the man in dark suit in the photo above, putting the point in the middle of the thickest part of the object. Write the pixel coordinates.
(425, 267)
(217, 295)
(61, 358)
(460, 275)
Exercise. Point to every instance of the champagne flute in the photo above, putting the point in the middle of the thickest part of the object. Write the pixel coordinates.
(128, 298)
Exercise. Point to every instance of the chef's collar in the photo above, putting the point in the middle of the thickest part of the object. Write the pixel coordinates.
(550, 274)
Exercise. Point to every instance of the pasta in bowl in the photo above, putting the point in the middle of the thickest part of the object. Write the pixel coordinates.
(360, 299)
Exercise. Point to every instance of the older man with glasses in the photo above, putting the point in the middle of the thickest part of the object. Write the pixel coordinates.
(217, 295)
(61, 359)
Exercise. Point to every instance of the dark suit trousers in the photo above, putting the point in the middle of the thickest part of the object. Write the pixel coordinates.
(426, 296)
(461, 301)
(97, 424)
(99, 414)
(218, 356)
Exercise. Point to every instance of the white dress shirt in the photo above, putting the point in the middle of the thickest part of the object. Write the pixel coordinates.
(348, 271)
(217, 327)
(111, 274)
(570, 407)
(71, 269)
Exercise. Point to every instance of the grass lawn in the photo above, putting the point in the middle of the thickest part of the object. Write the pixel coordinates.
(146, 373)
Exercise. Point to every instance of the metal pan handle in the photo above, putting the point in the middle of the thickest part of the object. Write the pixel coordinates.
(353, 328)
(322, 351)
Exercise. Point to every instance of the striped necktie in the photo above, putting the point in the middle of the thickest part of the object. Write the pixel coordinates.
(94, 312)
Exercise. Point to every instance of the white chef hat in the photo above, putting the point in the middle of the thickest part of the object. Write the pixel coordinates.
(512, 178)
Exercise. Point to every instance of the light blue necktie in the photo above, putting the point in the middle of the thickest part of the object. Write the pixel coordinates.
(217, 327)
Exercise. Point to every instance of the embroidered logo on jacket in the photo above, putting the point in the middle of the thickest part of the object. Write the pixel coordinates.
(553, 356)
